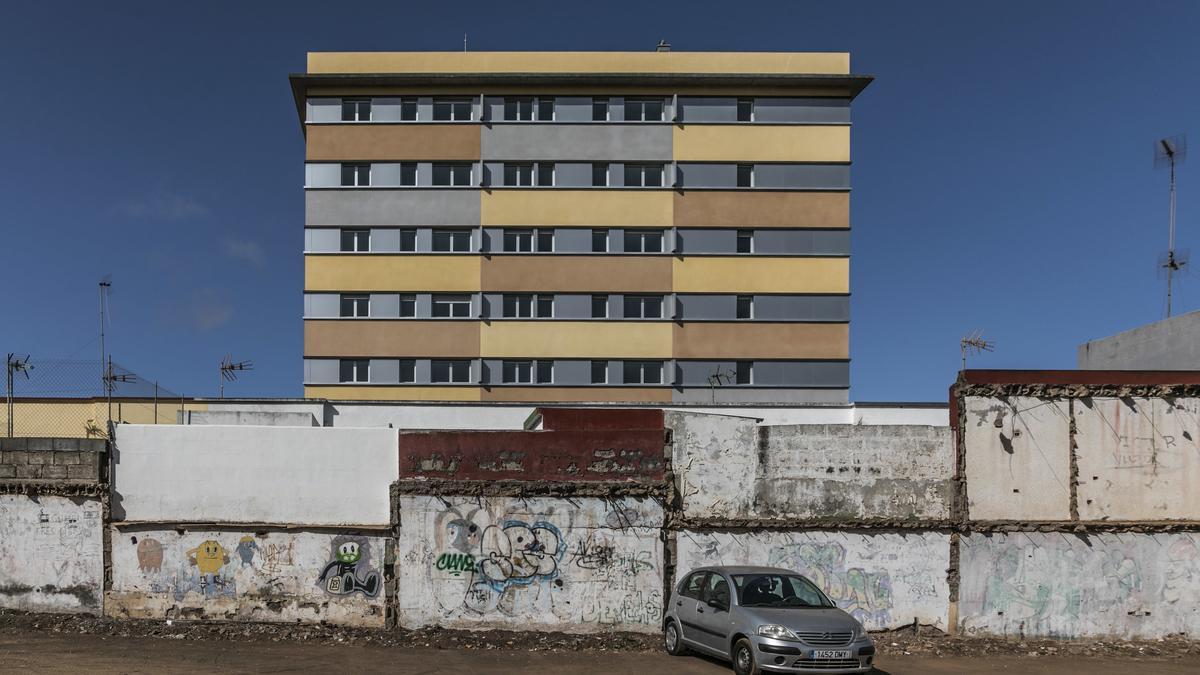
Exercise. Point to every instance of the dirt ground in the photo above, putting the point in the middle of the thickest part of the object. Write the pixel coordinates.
(55, 643)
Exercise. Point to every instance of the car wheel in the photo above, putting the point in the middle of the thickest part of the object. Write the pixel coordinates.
(743, 658)
(673, 641)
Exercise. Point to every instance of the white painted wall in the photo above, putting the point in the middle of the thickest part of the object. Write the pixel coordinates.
(309, 476)
(1126, 585)
(715, 459)
(465, 563)
(241, 575)
(1018, 458)
(1139, 458)
(883, 580)
(51, 554)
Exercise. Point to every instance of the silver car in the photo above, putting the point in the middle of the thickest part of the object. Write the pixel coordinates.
(764, 619)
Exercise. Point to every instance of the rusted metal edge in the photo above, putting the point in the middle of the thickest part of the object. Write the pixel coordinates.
(533, 488)
(57, 487)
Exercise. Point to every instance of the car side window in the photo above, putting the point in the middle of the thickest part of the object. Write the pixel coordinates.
(693, 587)
(717, 591)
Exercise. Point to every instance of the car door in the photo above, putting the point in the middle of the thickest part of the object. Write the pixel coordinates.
(686, 604)
(713, 620)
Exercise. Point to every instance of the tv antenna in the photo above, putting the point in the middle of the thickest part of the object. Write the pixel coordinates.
(110, 380)
(719, 377)
(105, 292)
(974, 343)
(1170, 152)
(229, 371)
(14, 364)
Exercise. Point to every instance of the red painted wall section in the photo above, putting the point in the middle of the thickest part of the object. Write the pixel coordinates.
(570, 455)
(564, 419)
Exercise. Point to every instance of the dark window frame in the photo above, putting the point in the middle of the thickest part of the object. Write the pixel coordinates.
(356, 236)
(354, 305)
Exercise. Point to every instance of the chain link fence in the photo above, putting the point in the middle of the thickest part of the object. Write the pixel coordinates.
(67, 398)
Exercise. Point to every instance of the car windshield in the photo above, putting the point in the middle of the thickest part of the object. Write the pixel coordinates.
(778, 590)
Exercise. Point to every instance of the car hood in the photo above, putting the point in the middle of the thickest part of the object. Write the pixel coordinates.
(802, 619)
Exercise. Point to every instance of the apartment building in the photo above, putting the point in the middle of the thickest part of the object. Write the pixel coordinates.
(577, 226)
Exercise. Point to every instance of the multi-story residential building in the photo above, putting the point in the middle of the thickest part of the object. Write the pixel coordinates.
(609, 226)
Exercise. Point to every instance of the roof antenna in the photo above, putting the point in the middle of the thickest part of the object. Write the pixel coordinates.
(663, 46)
(1169, 152)
(229, 370)
(974, 344)
(464, 42)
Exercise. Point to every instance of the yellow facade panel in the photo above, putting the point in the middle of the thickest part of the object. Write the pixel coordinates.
(828, 63)
(576, 339)
(750, 143)
(614, 208)
(762, 275)
(357, 393)
(391, 273)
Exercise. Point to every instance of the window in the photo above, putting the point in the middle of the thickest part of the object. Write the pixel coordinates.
(745, 306)
(744, 372)
(518, 306)
(408, 240)
(643, 175)
(599, 175)
(451, 306)
(599, 372)
(355, 306)
(778, 590)
(456, 174)
(545, 112)
(745, 241)
(452, 110)
(408, 174)
(408, 306)
(543, 372)
(354, 370)
(518, 241)
(745, 110)
(356, 110)
(717, 591)
(599, 109)
(518, 175)
(518, 109)
(356, 241)
(545, 174)
(455, 371)
(599, 306)
(643, 109)
(408, 370)
(451, 241)
(745, 175)
(545, 241)
(599, 241)
(693, 586)
(517, 372)
(408, 110)
(643, 306)
(643, 372)
(545, 306)
(643, 241)
(356, 175)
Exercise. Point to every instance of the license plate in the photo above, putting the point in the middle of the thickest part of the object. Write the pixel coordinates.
(831, 653)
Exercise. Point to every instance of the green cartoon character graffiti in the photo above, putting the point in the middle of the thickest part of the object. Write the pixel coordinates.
(341, 576)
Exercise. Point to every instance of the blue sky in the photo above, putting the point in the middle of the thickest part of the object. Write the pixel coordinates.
(1002, 176)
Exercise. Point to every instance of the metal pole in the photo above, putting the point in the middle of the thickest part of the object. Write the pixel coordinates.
(9, 395)
(1171, 240)
(156, 403)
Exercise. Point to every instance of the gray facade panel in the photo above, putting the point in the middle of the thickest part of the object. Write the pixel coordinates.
(324, 110)
(323, 240)
(766, 373)
(706, 240)
(385, 109)
(573, 240)
(384, 371)
(322, 175)
(801, 308)
(322, 305)
(573, 174)
(321, 371)
(707, 109)
(802, 110)
(702, 395)
(573, 109)
(802, 242)
(385, 305)
(703, 174)
(385, 240)
(392, 207)
(802, 176)
(385, 174)
(571, 142)
(710, 307)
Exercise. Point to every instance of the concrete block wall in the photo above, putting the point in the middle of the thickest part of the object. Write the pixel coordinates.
(51, 459)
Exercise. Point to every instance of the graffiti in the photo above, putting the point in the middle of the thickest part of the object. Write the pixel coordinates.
(245, 549)
(457, 531)
(208, 558)
(867, 596)
(276, 557)
(633, 607)
(519, 553)
(149, 555)
(602, 554)
(456, 563)
(1181, 579)
(341, 575)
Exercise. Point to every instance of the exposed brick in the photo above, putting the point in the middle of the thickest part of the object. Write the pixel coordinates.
(54, 471)
(40, 457)
(29, 471)
(7, 471)
(10, 457)
(66, 458)
(82, 472)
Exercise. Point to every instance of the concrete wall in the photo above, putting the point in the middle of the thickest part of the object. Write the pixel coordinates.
(247, 576)
(1070, 585)
(714, 456)
(216, 474)
(884, 579)
(577, 565)
(51, 553)
(51, 459)
(1170, 344)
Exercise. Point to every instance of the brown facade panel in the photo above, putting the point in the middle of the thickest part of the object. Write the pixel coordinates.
(762, 341)
(705, 208)
(582, 274)
(365, 338)
(392, 142)
(579, 394)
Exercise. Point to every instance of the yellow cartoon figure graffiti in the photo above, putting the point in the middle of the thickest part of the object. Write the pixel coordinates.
(209, 558)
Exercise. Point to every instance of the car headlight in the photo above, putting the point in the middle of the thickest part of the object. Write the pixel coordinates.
(774, 630)
(860, 632)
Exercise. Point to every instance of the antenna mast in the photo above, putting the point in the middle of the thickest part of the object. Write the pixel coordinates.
(975, 344)
(14, 364)
(229, 371)
(1170, 152)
